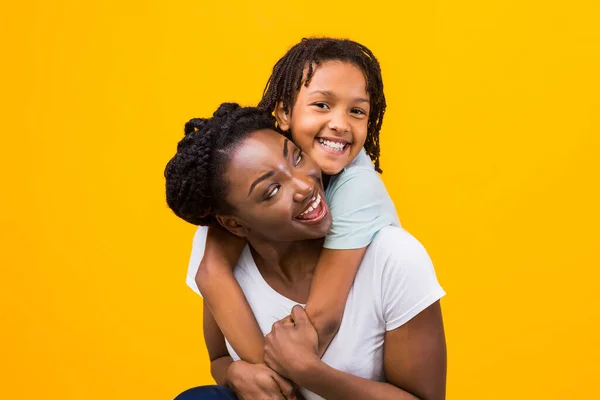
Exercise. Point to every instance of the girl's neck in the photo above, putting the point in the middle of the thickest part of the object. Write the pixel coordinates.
(326, 179)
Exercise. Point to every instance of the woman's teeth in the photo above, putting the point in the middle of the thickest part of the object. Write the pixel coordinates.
(332, 145)
(315, 203)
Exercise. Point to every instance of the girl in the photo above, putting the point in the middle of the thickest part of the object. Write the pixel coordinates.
(327, 96)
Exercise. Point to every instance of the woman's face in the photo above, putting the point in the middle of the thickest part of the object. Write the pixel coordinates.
(276, 190)
(329, 118)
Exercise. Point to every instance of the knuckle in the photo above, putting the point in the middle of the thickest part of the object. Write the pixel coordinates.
(264, 379)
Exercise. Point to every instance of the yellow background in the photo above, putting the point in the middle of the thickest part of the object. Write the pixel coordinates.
(489, 146)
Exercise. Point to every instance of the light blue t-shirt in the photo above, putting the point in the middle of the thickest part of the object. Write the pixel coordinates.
(359, 204)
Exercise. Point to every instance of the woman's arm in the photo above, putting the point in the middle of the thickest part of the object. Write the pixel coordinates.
(414, 356)
(414, 360)
(224, 297)
(334, 274)
(249, 381)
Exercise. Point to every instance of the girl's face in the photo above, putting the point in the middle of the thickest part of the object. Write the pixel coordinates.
(276, 190)
(329, 118)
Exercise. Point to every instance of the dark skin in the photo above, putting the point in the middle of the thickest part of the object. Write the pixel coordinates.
(286, 252)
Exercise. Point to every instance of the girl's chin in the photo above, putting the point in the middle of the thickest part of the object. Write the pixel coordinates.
(329, 168)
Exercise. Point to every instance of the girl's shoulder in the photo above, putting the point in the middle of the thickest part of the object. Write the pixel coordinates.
(362, 160)
(359, 175)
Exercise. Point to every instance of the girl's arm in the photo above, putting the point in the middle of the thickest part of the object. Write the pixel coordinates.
(224, 297)
(360, 207)
(334, 274)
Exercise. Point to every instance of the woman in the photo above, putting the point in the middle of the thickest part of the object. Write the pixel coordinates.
(225, 173)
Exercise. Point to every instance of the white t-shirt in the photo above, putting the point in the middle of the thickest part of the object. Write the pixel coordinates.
(395, 282)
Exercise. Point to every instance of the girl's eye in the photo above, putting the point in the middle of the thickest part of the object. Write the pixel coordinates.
(273, 192)
(299, 158)
(358, 111)
(321, 105)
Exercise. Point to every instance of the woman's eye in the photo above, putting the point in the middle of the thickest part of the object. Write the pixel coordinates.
(299, 158)
(273, 192)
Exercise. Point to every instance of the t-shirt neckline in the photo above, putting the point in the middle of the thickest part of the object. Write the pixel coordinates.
(257, 277)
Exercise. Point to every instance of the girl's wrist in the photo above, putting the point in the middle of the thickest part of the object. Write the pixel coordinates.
(307, 370)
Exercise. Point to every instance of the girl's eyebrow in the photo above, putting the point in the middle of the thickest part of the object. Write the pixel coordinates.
(323, 92)
(327, 93)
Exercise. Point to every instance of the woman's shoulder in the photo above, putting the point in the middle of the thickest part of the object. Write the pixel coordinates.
(397, 243)
(395, 252)
(405, 274)
(198, 245)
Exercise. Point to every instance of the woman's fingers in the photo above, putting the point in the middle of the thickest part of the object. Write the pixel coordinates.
(299, 316)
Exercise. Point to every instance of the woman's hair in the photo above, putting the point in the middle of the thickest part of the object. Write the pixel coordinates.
(286, 79)
(195, 185)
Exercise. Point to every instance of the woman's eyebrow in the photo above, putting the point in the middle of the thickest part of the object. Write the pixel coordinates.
(259, 180)
(285, 148)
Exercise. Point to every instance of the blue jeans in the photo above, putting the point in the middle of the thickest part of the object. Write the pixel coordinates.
(207, 393)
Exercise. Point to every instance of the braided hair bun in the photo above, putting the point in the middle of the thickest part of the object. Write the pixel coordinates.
(196, 190)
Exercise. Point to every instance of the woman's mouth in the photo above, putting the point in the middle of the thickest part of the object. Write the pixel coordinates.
(333, 146)
(315, 211)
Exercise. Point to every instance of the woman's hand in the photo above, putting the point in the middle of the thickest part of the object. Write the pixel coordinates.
(257, 381)
(292, 346)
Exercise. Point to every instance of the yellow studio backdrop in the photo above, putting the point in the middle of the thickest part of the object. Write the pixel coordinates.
(489, 148)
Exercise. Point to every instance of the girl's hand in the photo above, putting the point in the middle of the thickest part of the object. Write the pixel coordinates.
(223, 246)
(257, 381)
(292, 346)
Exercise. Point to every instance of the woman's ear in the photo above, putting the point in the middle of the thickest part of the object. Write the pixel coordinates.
(282, 117)
(233, 225)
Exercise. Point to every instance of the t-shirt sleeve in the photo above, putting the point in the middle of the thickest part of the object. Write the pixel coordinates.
(408, 281)
(360, 206)
(198, 246)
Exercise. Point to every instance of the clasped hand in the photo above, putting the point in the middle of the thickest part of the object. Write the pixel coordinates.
(292, 346)
(290, 349)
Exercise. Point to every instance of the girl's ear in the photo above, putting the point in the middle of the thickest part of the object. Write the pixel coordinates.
(233, 225)
(282, 117)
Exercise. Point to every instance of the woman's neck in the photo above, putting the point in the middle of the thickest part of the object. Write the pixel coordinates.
(290, 262)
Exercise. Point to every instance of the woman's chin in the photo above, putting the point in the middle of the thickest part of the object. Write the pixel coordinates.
(316, 230)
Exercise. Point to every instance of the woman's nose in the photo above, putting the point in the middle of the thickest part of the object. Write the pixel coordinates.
(304, 187)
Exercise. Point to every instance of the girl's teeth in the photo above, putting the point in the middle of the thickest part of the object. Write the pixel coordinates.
(332, 145)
